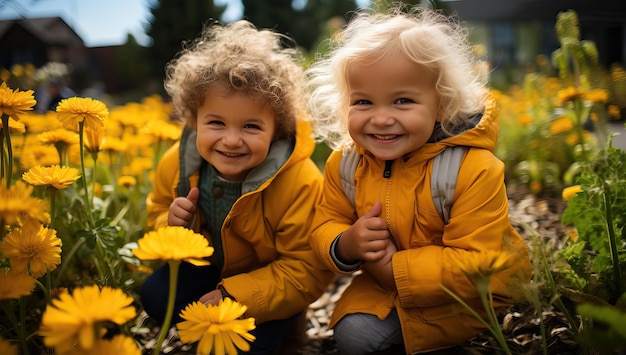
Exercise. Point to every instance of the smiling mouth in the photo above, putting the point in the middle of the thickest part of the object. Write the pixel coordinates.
(231, 155)
(385, 137)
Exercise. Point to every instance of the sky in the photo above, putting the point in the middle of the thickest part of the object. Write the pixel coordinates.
(101, 22)
(97, 22)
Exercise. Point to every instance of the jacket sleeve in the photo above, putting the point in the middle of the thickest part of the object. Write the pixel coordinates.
(162, 194)
(296, 277)
(333, 215)
(479, 221)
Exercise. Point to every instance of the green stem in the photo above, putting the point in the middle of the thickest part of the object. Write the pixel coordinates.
(94, 180)
(7, 139)
(67, 260)
(550, 280)
(617, 271)
(81, 128)
(22, 303)
(45, 289)
(52, 192)
(7, 306)
(486, 299)
(165, 327)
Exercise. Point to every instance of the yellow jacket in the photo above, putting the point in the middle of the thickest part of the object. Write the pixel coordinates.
(268, 263)
(428, 251)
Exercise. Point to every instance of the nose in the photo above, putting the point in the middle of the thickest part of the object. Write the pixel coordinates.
(232, 138)
(382, 116)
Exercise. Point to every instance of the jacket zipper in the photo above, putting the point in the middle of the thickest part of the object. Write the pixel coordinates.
(387, 175)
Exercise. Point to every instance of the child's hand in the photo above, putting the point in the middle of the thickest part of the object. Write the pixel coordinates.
(367, 239)
(183, 209)
(382, 269)
(212, 297)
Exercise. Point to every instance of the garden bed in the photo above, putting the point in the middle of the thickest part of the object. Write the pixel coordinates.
(519, 322)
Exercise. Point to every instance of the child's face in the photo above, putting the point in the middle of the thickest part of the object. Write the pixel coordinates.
(393, 105)
(234, 132)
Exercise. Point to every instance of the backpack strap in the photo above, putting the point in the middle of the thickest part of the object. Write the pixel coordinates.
(443, 180)
(349, 161)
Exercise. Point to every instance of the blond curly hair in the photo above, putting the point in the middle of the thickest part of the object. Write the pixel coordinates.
(425, 36)
(245, 59)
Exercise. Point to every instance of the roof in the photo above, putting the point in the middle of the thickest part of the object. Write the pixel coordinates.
(607, 11)
(50, 30)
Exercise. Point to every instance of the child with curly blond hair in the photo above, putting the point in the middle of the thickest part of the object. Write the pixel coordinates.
(399, 88)
(242, 176)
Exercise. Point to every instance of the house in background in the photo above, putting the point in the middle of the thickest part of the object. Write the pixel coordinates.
(514, 32)
(42, 40)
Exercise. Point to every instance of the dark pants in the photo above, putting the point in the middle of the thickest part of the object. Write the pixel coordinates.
(193, 282)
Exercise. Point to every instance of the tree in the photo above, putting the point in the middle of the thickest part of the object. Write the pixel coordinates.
(304, 25)
(173, 23)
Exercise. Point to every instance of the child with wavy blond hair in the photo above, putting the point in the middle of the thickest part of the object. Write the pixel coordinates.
(400, 88)
(242, 176)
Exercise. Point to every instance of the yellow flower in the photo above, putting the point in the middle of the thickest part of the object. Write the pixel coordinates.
(524, 119)
(560, 125)
(570, 191)
(119, 344)
(74, 110)
(127, 181)
(114, 144)
(174, 243)
(16, 204)
(15, 126)
(218, 328)
(58, 136)
(34, 155)
(615, 112)
(14, 284)
(15, 102)
(33, 247)
(55, 176)
(94, 139)
(597, 95)
(484, 263)
(162, 130)
(569, 94)
(7, 348)
(72, 319)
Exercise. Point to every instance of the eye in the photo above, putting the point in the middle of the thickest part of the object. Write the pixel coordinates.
(403, 100)
(362, 102)
(252, 126)
(215, 123)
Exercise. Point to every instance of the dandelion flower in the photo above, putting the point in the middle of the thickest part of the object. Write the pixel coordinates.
(55, 176)
(74, 110)
(59, 136)
(174, 243)
(127, 181)
(33, 246)
(119, 344)
(483, 264)
(16, 204)
(71, 319)
(14, 284)
(597, 96)
(94, 139)
(16, 127)
(218, 328)
(162, 130)
(7, 348)
(560, 125)
(569, 94)
(570, 191)
(15, 102)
